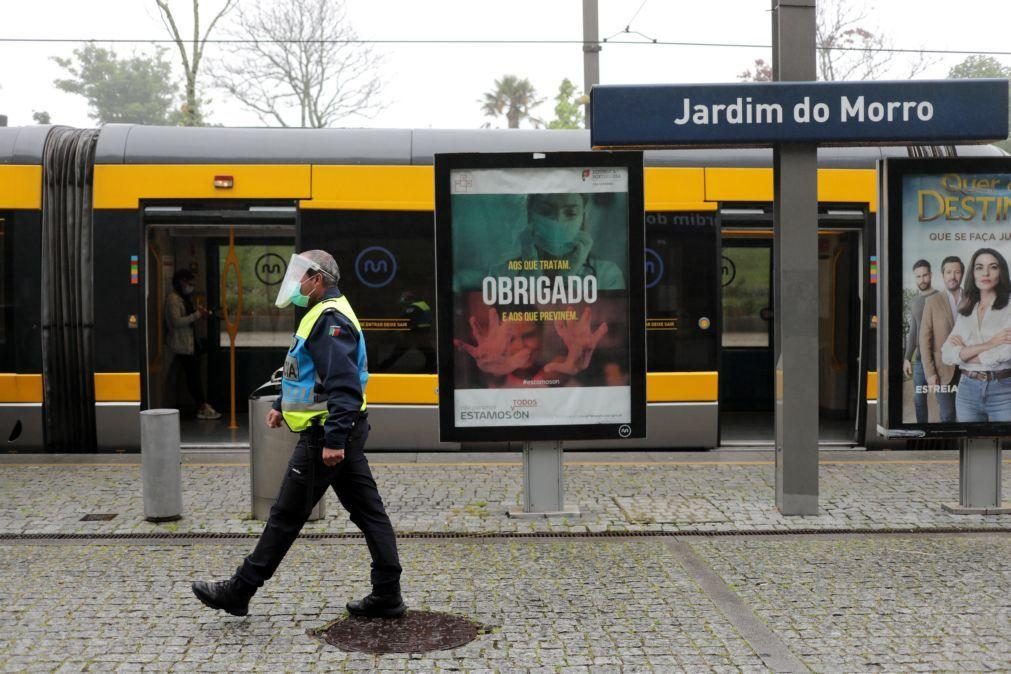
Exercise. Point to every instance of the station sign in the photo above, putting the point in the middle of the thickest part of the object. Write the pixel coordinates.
(830, 113)
(944, 334)
(541, 269)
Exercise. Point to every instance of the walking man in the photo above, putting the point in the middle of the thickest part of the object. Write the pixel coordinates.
(912, 365)
(323, 400)
(939, 314)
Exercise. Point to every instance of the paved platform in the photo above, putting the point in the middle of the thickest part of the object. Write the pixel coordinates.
(674, 492)
(659, 594)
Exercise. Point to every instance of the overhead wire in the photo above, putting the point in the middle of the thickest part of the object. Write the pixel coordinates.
(474, 41)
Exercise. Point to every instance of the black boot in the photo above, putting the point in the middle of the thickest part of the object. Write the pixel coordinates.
(378, 606)
(231, 596)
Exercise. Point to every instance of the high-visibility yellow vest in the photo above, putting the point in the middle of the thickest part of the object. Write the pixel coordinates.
(300, 405)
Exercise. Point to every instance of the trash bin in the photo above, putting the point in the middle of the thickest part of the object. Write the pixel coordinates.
(269, 451)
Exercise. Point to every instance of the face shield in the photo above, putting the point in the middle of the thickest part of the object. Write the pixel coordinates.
(291, 285)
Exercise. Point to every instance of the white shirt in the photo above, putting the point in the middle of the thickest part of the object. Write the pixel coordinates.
(953, 303)
(973, 332)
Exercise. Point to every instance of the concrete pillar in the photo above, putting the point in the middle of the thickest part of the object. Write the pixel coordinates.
(795, 275)
(591, 53)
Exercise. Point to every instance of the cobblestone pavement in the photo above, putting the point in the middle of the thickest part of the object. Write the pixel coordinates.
(827, 603)
(686, 492)
(856, 603)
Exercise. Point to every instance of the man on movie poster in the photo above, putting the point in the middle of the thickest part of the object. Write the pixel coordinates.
(540, 277)
(959, 223)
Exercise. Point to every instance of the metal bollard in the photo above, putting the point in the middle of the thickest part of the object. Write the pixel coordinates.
(161, 465)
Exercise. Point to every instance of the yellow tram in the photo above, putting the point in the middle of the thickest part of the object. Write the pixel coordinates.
(112, 214)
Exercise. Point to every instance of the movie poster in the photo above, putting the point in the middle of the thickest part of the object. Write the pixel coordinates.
(953, 362)
(541, 338)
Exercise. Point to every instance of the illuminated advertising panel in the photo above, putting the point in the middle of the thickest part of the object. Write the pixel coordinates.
(541, 296)
(947, 233)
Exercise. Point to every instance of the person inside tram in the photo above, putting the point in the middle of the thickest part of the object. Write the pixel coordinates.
(181, 313)
(980, 342)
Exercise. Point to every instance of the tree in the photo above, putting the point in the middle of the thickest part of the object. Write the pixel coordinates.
(191, 114)
(301, 60)
(846, 48)
(137, 90)
(41, 117)
(984, 66)
(762, 73)
(568, 107)
(514, 98)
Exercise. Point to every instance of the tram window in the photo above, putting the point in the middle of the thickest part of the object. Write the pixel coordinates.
(7, 311)
(746, 272)
(261, 323)
(681, 287)
(387, 263)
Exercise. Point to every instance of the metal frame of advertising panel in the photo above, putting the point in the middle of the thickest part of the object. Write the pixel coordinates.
(540, 267)
(936, 210)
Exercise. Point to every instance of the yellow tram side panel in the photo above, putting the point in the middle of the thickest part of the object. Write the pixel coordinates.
(412, 188)
(755, 185)
(109, 387)
(122, 186)
(20, 187)
(661, 387)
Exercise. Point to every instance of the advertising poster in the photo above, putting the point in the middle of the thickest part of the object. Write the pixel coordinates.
(541, 328)
(949, 314)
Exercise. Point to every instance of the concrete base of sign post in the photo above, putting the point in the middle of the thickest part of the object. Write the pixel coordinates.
(956, 509)
(520, 514)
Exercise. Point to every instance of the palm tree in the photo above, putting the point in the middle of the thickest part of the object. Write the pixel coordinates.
(513, 97)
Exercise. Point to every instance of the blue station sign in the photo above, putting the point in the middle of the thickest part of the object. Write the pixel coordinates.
(830, 113)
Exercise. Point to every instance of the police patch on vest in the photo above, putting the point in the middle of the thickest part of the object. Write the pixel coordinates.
(335, 330)
(291, 368)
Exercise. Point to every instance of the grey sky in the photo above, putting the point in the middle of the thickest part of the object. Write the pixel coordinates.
(439, 85)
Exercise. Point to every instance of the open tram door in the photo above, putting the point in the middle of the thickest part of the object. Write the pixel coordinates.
(238, 253)
(747, 367)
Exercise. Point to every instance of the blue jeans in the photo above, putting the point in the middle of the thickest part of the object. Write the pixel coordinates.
(983, 400)
(919, 399)
(946, 404)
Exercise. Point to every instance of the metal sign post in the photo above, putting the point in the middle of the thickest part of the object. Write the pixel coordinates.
(979, 479)
(543, 482)
(795, 265)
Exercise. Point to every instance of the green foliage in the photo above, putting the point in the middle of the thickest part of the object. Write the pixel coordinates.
(979, 66)
(41, 117)
(513, 97)
(984, 66)
(137, 90)
(568, 107)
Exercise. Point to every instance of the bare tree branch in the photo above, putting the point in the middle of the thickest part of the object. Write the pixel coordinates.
(848, 49)
(298, 63)
(191, 61)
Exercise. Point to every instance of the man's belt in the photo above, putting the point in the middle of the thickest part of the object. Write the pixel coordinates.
(987, 375)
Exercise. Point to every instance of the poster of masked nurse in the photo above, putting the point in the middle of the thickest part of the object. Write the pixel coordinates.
(952, 367)
(536, 339)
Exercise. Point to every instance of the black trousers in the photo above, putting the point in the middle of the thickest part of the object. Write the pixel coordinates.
(304, 484)
(189, 363)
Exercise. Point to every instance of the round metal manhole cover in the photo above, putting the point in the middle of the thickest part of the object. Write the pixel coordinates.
(413, 632)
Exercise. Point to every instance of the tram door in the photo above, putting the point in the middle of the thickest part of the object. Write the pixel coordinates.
(747, 357)
(237, 268)
(746, 361)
